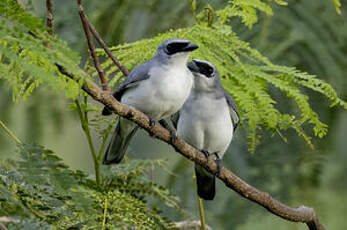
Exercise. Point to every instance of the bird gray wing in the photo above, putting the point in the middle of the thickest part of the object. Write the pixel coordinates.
(233, 110)
(137, 75)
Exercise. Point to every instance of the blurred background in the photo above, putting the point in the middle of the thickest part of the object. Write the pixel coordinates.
(308, 34)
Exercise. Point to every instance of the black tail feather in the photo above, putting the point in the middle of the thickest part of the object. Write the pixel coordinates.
(206, 183)
(118, 146)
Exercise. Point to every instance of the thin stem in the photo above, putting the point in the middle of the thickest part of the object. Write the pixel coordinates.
(105, 213)
(101, 150)
(92, 47)
(200, 205)
(49, 23)
(98, 38)
(85, 127)
(20, 3)
(9, 132)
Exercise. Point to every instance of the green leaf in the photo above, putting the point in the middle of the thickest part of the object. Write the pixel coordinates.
(337, 5)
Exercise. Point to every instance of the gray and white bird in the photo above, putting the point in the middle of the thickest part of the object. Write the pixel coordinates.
(158, 88)
(207, 121)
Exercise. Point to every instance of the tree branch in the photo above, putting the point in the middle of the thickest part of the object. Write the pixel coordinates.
(92, 47)
(301, 214)
(4, 219)
(121, 67)
(189, 224)
(49, 22)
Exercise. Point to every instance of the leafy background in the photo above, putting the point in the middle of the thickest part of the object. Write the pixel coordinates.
(306, 34)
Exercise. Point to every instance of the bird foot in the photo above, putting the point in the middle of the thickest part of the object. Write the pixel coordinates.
(218, 162)
(172, 130)
(206, 153)
(151, 122)
(173, 135)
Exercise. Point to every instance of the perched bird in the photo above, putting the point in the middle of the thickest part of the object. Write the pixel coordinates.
(158, 88)
(207, 121)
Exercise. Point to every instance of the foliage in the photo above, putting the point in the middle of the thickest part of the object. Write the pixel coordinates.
(41, 191)
(247, 10)
(337, 5)
(28, 55)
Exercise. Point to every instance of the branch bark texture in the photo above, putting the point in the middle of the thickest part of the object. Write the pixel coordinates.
(189, 224)
(49, 22)
(120, 66)
(92, 47)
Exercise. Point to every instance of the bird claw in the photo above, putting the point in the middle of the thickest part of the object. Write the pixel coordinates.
(173, 132)
(151, 122)
(206, 153)
(173, 136)
(218, 162)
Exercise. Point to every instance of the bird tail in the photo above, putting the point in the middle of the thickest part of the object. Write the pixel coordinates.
(206, 183)
(119, 142)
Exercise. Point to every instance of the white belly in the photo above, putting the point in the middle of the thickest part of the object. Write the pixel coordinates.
(206, 125)
(161, 95)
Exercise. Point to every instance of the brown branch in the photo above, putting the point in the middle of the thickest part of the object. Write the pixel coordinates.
(4, 219)
(189, 224)
(92, 47)
(20, 3)
(49, 22)
(121, 67)
(302, 214)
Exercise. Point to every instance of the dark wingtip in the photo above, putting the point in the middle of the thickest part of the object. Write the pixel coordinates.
(106, 111)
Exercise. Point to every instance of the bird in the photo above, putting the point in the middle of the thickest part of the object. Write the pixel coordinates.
(158, 88)
(207, 121)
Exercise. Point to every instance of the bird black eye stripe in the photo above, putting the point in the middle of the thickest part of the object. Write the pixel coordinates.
(205, 69)
(175, 47)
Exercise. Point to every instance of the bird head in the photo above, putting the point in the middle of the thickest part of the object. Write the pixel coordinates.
(176, 50)
(205, 73)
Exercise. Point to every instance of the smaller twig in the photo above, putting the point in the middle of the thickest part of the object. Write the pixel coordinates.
(2, 227)
(20, 3)
(200, 204)
(5, 219)
(189, 224)
(121, 67)
(49, 16)
(92, 47)
(83, 115)
(105, 214)
(9, 132)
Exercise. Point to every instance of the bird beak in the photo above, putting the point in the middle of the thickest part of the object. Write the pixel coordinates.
(193, 67)
(190, 47)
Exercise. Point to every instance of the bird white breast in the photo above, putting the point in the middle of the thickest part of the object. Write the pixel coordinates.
(205, 123)
(163, 94)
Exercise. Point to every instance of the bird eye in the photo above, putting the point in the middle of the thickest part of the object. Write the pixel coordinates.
(209, 71)
(169, 47)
